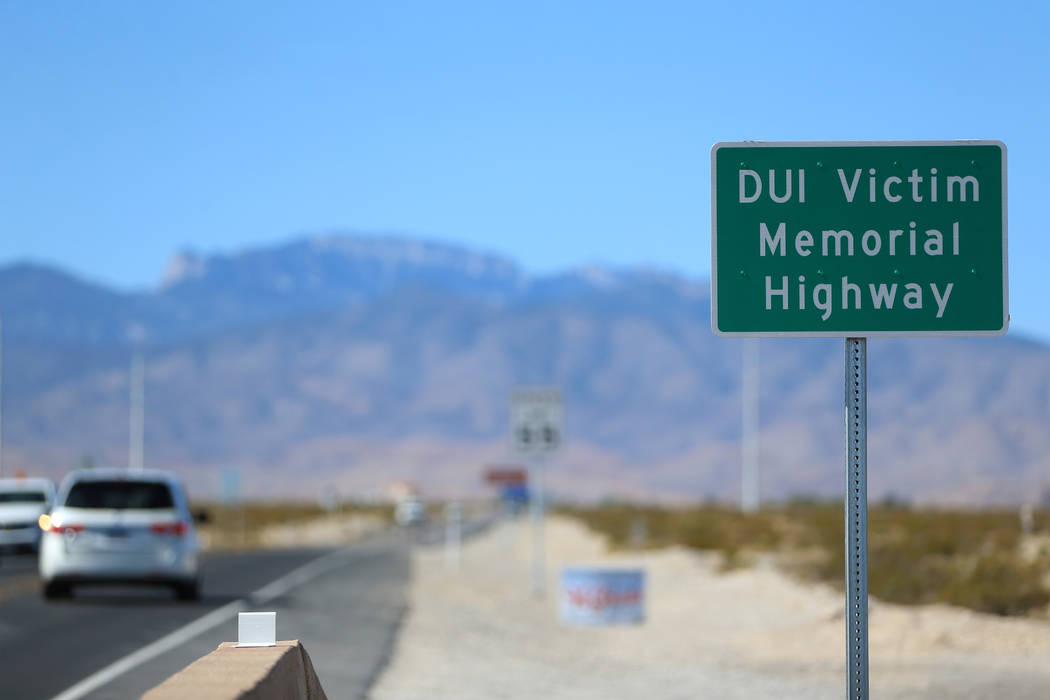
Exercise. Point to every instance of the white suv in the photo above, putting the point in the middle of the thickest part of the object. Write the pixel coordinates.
(123, 527)
(21, 503)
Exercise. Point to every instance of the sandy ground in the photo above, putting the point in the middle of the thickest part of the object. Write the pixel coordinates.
(476, 632)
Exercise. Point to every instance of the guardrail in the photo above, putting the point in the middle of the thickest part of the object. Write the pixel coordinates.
(283, 671)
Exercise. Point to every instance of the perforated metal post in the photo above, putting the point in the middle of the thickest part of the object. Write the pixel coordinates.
(857, 518)
(538, 507)
(749, 481)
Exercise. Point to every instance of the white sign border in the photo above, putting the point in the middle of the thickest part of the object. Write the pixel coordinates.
(849, 334)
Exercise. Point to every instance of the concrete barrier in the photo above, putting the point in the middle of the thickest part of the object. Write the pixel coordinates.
(280, 672)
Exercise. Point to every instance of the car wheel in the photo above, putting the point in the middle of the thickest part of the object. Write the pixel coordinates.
(188, 591)
(56, 590)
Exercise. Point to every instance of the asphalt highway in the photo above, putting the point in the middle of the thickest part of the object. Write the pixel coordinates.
(15, 564)
(345, 605)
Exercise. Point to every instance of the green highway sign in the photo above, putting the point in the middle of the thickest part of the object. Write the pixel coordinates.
(855, 239)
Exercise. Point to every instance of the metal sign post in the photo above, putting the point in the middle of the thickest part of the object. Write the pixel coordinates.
(453, 534)
(750, 500)
(857, 518)
(538, 508)
(536, 425)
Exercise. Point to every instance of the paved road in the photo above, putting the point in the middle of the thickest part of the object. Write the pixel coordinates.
(12, 564)
(347, 616)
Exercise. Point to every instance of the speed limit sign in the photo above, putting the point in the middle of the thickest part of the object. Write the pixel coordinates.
(536, 419)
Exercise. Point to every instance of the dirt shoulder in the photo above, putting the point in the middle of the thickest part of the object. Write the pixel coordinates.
(751, 632)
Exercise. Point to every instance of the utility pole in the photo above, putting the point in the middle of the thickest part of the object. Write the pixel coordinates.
(750, 499)
(137, 409)
(1, 397)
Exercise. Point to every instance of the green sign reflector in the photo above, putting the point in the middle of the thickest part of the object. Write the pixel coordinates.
(859, 239)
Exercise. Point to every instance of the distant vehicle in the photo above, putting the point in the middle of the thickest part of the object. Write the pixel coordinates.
(22, 501)
(120, 527)
(410, 512)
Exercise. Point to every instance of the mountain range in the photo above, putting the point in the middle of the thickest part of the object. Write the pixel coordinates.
(344, 362)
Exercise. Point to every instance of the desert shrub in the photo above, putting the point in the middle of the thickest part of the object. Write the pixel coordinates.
(233, 525)
(708, 527)
(916, 556)
(998, 584)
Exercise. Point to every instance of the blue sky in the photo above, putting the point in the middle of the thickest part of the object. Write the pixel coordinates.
(555, 133)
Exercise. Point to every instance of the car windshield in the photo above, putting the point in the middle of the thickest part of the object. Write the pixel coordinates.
(22, 497)
(119, 494)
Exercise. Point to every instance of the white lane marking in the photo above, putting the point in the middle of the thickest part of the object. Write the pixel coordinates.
(297, 577)
(150, 651)
(272, 590)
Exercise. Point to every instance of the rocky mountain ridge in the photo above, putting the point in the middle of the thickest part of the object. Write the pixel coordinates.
(348, 361)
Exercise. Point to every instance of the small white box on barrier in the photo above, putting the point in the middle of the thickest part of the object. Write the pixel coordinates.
(256, 629)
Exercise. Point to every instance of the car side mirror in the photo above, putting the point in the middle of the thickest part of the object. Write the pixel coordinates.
(201, 516)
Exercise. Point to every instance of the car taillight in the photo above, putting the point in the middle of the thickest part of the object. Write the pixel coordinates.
(177, 528)
(49, 525)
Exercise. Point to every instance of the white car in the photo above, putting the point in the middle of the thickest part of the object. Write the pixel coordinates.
(121, 527)
(410, 512)
(22, 501)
